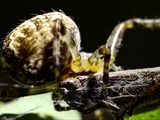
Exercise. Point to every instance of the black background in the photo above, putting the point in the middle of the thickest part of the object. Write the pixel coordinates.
(96, 19)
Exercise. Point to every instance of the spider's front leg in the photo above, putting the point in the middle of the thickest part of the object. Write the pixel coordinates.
(115, 39)
(104, 52)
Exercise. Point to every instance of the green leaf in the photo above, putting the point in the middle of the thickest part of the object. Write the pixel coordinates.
(151, 112)
(37, 107)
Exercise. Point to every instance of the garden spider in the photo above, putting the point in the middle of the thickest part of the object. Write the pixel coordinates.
(44, 52)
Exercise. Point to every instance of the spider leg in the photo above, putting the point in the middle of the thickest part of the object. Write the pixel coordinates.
(61, 33)
(103, 101)
(104, 52)
(115, 39)
(57, 31)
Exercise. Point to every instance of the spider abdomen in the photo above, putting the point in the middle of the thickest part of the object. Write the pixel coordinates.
(33, 50)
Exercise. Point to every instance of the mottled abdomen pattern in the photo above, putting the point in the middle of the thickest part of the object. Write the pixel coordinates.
(33, 50)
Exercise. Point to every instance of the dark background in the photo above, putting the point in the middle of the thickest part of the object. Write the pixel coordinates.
(95, 19)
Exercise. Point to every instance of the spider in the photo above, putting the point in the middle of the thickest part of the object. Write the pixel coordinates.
(44, 52)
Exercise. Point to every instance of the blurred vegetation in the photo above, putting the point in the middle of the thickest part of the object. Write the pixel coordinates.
(38, 107)
(150, 112)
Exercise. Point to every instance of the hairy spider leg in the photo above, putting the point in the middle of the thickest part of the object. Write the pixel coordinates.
(61, 34)
(104, 52)
(115, 39)
(59, 31)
